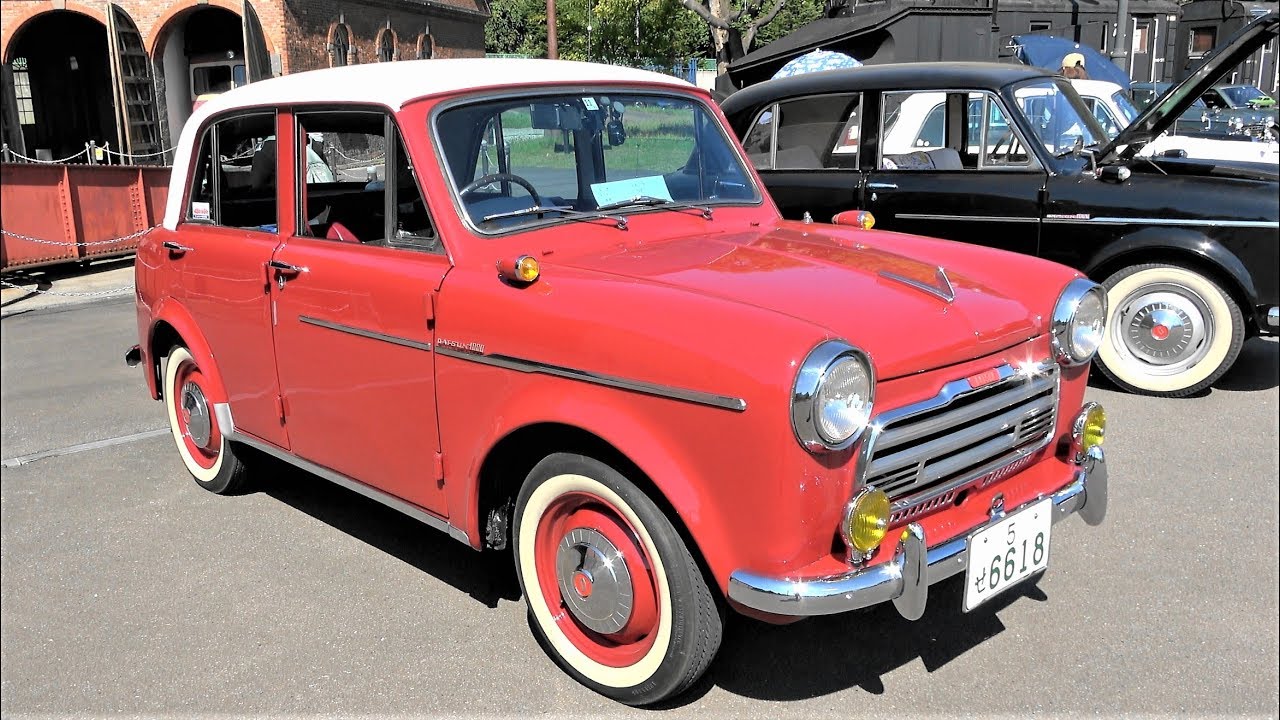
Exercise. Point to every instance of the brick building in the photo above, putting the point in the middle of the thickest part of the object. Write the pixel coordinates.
(72, 66)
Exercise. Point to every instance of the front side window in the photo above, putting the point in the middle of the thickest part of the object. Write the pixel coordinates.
(519, 161)
(234, 184)
(360, 187)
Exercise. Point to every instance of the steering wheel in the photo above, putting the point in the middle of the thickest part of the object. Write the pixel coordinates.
(500, 177)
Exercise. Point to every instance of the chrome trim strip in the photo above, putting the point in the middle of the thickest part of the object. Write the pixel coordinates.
(350, 330)
(354, 485)
(973, 218)
(906, 578)
(942, 290)
(698, 397)
(1165, 221)
(222, 413)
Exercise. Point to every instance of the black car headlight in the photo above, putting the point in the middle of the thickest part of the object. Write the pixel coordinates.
(832, 398)
(1079, 319)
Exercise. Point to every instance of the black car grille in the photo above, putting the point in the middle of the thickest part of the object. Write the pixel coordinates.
(922, 455)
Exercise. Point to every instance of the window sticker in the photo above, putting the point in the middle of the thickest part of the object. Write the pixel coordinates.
(200, 211)
(590, 103)
(621, 190)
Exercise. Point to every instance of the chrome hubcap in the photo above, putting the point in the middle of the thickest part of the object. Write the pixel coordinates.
(195, 410)
(594, 581)
(1164, 326)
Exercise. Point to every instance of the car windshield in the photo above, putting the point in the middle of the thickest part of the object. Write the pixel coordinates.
(1241, 95)
(1057, 115)
(1128, 112)
(517, 161)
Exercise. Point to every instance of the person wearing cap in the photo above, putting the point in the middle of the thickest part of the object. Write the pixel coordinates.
(1073, 67)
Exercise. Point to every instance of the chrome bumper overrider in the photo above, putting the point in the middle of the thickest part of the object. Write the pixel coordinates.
(1273, 317)
(906, 578)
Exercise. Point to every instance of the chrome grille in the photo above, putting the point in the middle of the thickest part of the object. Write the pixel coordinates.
(922, 454)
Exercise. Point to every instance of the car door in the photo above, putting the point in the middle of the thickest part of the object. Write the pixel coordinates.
(354, 289)
(228, 234)
(806, 152)
(951, 165)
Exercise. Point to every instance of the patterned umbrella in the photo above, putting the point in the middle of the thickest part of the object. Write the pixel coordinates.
(816, 61)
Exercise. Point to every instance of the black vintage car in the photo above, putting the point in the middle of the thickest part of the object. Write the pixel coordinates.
(1010, 157)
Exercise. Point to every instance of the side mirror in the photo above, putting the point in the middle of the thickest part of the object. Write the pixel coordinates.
(1113, 173)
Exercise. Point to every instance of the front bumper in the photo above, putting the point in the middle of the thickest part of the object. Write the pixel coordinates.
(906, 578)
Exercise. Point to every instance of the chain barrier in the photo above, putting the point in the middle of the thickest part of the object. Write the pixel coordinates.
(17, 154)
(96, 293)
(109, 151)
(92, 243)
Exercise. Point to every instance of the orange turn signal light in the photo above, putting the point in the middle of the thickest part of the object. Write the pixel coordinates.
(855, 218)
(524, 269)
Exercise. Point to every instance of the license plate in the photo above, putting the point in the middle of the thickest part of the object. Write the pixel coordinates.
(1008, 552)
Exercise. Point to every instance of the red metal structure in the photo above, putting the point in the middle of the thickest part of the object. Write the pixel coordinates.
(53, 214)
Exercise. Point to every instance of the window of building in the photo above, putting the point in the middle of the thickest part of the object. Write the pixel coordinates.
(426, 46)
(1038, 25)
(387, 45)
(1203, 39)
(339, 45)
(360, 184)
(1141, 31)
(235, 180)
(22, 91)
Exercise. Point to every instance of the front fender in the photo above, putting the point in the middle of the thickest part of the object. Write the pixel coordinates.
(171, 312)
(1138, 247)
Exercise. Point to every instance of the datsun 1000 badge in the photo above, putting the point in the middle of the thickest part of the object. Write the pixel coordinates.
(545, 308)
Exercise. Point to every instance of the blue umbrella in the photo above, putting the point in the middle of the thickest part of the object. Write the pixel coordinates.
(1047, 51)
(816, 61)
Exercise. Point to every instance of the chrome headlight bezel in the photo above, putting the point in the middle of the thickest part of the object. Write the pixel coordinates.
(804, 396)
(1065, 317)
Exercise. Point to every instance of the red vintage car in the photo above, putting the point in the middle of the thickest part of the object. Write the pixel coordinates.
(545, 307)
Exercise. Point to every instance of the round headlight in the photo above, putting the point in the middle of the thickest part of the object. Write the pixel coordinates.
(833, 396)
(1079, 319)
(866, 520)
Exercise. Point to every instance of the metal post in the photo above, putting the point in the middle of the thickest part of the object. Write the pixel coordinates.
(553, 49)
(4, 152)
(89, 148)
(1120, 50)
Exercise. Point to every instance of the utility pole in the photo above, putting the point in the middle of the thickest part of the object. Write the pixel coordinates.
(1120, 49)
(553, 51)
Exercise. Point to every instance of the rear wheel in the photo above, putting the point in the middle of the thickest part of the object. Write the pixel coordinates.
(205, 451)
(1171, 330)
(611, 587)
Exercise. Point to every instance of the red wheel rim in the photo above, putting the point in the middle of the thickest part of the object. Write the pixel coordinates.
(582, 511)
(189, 374)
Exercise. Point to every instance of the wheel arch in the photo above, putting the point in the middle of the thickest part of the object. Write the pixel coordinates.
(1187, 248)
(508, 462)
(173, 325)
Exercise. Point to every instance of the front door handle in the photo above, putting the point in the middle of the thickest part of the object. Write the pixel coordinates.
(176, 248)
(284, 271)
(882, 186)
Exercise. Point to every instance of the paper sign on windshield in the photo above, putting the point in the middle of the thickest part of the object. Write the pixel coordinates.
(622, 190)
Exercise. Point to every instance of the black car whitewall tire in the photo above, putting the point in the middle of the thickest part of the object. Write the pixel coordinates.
(638, 630)
(1171, 331)
(204, 449)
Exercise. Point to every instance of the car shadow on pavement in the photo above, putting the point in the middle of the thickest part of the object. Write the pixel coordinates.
(1257, 368)
(488, 577)
(828, 654)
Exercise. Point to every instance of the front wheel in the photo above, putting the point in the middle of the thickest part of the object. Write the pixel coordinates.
(205, 451)
(611, 587)
(1171, 332)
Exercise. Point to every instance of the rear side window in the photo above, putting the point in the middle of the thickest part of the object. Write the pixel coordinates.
(235, 180)
(807, 134)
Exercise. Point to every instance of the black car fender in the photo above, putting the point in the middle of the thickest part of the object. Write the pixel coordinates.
(1180, 245)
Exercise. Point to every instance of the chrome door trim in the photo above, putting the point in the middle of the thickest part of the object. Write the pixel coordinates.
(337, 478)
(972, 218)
(1165, 221)
(697, 397)
(372, 335)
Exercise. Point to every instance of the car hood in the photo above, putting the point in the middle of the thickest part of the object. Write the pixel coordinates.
(851, 284)
(1165, 110)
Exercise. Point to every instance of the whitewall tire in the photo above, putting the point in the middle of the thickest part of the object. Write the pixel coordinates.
(205, 451)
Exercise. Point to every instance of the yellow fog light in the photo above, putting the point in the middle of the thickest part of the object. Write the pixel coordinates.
(523, 269)
(1089, 429)
(866, 520)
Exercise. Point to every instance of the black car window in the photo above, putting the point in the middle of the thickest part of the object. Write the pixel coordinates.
(235, 180)
(812, 133)
(759, 140)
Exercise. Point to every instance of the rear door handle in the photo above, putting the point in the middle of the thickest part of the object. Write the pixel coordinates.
(174, 247)
(285, 268)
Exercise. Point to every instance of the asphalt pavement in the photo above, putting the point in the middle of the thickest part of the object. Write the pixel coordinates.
(128, 590)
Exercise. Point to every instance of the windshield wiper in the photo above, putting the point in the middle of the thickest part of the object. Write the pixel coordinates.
(652, 201)
(565, 210)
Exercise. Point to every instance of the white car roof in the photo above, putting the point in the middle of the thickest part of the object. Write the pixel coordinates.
(1095, 88)
(394, 84)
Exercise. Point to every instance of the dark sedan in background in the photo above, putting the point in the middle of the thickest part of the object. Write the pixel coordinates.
(1010, 157)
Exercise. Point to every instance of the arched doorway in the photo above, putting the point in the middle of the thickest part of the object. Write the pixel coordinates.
(201, 52)
(59, 60)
